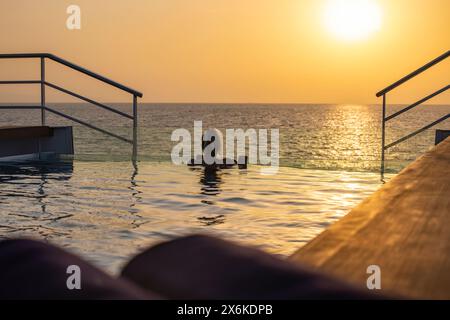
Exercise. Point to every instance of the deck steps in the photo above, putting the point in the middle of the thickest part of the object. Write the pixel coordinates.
(30, 143)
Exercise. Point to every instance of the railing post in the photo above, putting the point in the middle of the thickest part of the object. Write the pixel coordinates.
(135, 127)
(42, 91)
(383, 134)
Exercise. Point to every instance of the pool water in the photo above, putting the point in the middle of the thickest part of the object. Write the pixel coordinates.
(108, 211)
(106, 208)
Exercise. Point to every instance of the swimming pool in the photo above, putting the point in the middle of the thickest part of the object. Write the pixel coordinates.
(106, 208)
(107, 211)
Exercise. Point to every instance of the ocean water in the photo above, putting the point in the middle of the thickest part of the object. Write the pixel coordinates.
(106, 208)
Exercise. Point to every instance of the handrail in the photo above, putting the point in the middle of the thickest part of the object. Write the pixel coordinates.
(409, 136)
(84, 123)
(414, 73)
(21, 82)
(44, 107)
(385, 119)
(20, 107)
(415, 104)
(76, 95)
(72, 66)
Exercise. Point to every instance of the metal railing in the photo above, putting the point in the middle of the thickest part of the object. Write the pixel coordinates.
(44, 83)
(385, 119)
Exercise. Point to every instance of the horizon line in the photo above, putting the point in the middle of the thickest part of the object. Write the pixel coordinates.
(229, 103)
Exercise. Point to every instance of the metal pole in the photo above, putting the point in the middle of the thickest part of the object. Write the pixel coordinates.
(135, 127)
(43, 91)
(383, 134)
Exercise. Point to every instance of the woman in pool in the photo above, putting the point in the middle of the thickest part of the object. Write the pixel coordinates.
(212, 153)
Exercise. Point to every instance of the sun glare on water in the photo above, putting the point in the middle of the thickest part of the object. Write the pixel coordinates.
(352, 19)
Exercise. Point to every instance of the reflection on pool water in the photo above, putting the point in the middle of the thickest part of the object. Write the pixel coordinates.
(107, 211)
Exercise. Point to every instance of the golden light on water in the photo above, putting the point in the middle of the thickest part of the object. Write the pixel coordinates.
(352, 19)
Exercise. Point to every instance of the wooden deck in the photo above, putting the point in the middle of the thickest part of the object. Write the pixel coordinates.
(404, 228)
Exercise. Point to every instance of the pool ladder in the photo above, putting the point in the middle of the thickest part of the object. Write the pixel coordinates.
(44, 83)
(385, 118)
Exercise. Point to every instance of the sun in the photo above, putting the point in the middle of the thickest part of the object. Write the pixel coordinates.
(352, 19)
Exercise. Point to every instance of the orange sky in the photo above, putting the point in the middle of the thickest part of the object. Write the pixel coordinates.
(274, 51)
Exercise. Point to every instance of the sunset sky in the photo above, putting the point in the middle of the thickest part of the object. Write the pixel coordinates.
(268, 51)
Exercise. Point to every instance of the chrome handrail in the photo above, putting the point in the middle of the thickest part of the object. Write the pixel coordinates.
(43, 107)
(414, 73)
(72, 66)
(385, 119)
(76, 95)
